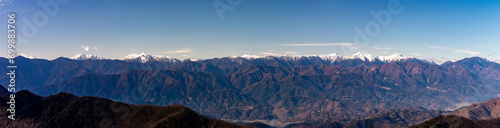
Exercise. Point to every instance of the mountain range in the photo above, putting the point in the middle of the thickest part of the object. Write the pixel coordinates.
(144, 57)
(41, 71)
(280, 89)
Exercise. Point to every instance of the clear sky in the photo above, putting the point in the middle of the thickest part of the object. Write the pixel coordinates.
(444, 29)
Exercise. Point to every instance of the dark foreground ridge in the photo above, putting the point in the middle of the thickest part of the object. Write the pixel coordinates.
(452, 121)
(67, 110)
(478, 115)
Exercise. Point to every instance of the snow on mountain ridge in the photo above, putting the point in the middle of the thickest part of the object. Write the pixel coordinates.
(330, 57)
(145, 57)
(87, 57)
(335, 57)
(250, 56)
(393, 58)
(27, 56)
(363, 56)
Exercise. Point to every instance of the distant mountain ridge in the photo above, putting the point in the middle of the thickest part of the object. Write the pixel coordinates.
(478, 65)
(144, 57)
(39, 72)
(87, 57)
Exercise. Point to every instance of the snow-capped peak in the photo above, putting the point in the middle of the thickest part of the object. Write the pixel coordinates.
(145, 57)
(87, 57)
(397, 55)
(330, 57)
(393, 58)
(250, 56)
(27, 56)
(363, 56)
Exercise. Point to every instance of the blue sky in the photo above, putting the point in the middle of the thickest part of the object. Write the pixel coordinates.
(446, 29)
